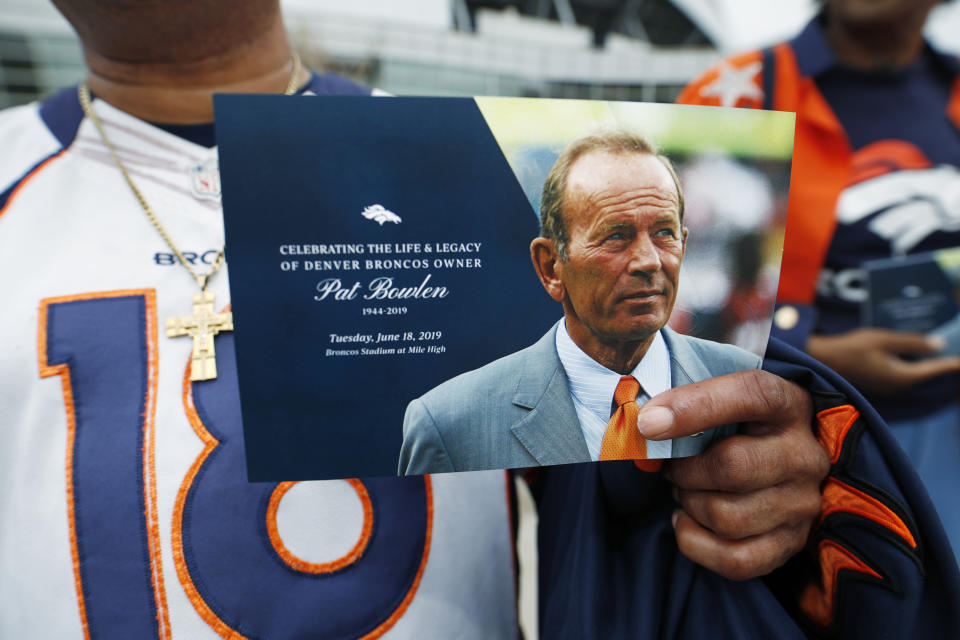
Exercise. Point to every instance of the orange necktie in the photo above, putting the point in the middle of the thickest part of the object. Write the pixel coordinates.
(622, 439)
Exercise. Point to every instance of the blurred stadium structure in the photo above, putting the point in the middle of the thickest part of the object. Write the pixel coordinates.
(609, 49)
(598, 49)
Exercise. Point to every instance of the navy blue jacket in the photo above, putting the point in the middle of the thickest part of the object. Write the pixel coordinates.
(878, 565)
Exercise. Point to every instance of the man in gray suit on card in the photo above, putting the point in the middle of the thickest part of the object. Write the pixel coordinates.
(612, 242)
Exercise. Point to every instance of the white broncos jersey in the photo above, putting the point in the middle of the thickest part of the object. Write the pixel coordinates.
(124, 506)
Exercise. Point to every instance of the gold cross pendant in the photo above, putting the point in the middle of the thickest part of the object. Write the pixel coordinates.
(202, 326)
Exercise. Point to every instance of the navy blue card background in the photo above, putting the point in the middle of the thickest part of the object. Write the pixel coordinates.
(300, 170)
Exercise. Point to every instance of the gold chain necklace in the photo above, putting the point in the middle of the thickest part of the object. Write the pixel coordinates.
(205, 323)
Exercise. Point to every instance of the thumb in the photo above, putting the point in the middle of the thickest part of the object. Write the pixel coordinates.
(752, 395)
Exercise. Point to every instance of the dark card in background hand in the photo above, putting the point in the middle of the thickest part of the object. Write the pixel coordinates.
(915, 293)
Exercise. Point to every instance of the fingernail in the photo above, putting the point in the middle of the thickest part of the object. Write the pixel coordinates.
(654, 421)
(673, 519)
(938, 343)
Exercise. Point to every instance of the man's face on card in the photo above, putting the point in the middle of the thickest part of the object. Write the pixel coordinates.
(626, 245)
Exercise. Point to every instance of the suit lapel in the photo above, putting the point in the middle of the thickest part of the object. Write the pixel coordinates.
(685, 367)
(550, 432)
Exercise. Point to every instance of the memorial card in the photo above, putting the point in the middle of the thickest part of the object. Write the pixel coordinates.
(398, 310)
(918, 293)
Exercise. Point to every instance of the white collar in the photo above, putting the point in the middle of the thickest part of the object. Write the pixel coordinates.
(592, 384)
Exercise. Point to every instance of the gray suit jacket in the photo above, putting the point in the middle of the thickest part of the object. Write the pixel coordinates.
(517, 411)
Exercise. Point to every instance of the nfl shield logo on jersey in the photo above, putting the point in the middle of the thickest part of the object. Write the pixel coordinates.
(205, 180)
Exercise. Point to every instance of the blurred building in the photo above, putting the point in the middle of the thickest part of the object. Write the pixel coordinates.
(613, 49)
(608, 49)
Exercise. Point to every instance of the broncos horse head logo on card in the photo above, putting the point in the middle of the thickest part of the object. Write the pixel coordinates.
(380, 214)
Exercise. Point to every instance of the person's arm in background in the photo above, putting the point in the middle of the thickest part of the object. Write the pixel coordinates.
(873, 359)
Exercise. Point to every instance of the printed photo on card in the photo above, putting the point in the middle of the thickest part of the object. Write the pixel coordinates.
(424, 285)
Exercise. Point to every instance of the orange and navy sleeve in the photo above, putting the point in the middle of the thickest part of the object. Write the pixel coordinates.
(878, 562)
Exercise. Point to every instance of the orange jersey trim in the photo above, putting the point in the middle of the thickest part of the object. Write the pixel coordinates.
(405, 604)
(833, 425)
(839, 497)
(149, 469)
(63, 370)
(183, 573)
(179, 559)
(819, 173)
(816, 601)
(27, 178)
(355, 553)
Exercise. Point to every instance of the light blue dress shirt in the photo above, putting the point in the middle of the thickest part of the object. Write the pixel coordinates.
(592, 386)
